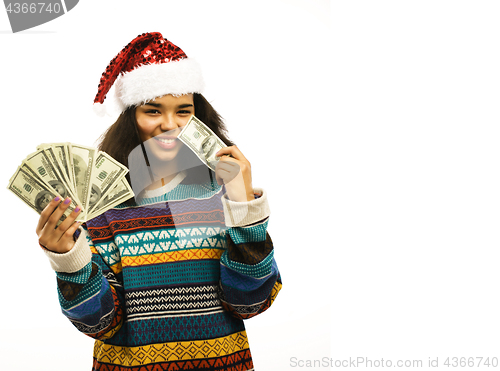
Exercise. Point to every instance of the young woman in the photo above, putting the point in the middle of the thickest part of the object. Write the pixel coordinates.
(164, 281)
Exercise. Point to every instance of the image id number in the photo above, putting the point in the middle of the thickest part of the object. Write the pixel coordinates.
(471, 362)
(25, 8)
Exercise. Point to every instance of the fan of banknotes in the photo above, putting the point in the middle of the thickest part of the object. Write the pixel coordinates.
(91, 178)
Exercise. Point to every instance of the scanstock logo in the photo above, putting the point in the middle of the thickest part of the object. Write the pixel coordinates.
(29, 14)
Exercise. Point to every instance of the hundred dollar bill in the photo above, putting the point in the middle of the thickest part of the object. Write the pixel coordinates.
(120, 193)
(66, 147)
(62, 157)
(202, 141)
(106, 175)
(40, 165)
(50, 152)
(33, 192)
(83, 159)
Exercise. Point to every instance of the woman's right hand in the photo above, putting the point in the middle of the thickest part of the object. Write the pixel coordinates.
(60, 239)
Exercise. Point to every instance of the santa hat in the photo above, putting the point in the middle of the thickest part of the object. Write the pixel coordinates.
(150, 66)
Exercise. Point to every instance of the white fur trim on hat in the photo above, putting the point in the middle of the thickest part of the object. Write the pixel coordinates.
(155, 80)
(99, 109)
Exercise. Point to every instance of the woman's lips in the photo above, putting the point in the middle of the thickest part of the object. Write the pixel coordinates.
(166, 142)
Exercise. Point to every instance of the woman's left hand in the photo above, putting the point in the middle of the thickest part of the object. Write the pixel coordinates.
(235, 172)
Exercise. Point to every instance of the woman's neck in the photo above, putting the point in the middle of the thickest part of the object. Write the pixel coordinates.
(164, 173)
(161, 182)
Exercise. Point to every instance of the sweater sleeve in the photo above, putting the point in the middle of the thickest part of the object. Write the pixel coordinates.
(250, 279)
(90, 292)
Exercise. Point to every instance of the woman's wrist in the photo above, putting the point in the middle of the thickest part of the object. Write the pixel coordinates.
(240, 214)
(73, 260)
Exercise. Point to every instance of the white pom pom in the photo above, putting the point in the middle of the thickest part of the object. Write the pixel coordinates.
(99, 109)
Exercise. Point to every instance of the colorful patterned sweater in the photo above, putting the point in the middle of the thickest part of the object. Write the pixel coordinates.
(165, 285)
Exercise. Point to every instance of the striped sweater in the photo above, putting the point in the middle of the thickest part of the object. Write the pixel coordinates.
(165, 284)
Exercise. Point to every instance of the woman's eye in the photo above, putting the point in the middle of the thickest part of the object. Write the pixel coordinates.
(184, 112)
(152, 111)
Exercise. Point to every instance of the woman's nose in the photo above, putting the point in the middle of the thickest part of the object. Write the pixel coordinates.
(169, 123)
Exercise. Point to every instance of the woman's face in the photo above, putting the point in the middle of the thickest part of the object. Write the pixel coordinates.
(160, 122)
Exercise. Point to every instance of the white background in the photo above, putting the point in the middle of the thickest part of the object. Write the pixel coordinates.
(374, 127)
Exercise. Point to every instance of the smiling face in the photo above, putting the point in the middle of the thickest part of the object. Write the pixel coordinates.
(161, 120)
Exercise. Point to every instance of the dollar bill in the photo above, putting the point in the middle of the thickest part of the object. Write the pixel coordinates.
(33, 192)
(120, 193)
(51, 153)
(106, 174)
(62, 157)
(202, 141)
(83, 163)
(40, 165)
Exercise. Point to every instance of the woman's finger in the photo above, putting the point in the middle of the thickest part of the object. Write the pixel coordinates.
(233, 151)
(225, 171)
(229, 166)
(57, 214)
(68, 222)
(60, 239)
(241, 190)
(46, 213)
(66, 242)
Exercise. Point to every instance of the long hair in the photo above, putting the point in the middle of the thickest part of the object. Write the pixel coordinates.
(123, 136)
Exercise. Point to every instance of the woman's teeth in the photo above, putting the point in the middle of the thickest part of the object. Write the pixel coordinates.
(166, 141)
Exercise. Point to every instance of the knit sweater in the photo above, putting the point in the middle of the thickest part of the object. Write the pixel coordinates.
(165, 284)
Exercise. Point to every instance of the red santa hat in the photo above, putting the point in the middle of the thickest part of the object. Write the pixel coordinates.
(150, 66)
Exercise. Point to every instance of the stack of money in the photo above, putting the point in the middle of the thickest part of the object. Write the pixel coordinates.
(91, 178)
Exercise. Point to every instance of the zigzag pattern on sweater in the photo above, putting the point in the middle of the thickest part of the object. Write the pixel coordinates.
(158, 210)
(151, 242)
(171, 351)
(99, 234)
(171, 257)
(112, 279)
(172, 301)
(238, 361)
